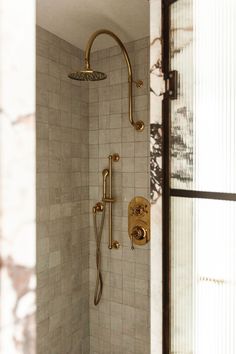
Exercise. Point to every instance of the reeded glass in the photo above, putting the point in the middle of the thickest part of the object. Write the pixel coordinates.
(203, 50)
(203, 158)
(203, 277)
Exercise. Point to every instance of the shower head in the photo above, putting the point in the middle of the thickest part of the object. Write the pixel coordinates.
(87, 75)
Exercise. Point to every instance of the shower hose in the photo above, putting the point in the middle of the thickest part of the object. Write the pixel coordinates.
(98, 237)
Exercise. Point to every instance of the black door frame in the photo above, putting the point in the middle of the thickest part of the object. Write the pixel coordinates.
(165, 183)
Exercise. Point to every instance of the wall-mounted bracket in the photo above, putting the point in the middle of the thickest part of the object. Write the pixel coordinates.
(172, 85)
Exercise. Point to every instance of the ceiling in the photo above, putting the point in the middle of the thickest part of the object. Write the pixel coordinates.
(75, 20)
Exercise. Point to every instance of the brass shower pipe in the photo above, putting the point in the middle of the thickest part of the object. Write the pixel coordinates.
(139, 125)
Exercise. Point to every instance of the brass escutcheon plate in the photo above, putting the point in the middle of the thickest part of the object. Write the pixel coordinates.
(139, 219)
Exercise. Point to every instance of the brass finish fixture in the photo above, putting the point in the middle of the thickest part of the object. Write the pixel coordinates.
(115, 157)
(90, 75)
(115, 244)
(87, 75)
(98, 207)
(139, 83)
(139, 221)
(105, 174)
(139, 233)
(108, 198)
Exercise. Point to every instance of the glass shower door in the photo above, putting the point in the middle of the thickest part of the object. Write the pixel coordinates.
(202, 183)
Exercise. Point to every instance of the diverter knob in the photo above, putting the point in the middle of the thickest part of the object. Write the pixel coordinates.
(139, 232)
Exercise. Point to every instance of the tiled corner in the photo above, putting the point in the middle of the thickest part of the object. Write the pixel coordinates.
(62, 200)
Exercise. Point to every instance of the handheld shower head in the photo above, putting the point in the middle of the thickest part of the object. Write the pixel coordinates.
(87, 75)
(105, 174)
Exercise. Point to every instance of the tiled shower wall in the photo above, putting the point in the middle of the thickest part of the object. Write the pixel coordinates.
(78, 126)
(120, 323)
(62, 200)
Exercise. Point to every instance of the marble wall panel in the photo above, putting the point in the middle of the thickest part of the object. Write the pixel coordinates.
(17, 179)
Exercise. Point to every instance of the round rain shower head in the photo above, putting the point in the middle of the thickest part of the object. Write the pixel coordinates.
(87, 75)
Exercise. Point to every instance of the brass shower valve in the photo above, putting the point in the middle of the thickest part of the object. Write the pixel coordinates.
(139, 221)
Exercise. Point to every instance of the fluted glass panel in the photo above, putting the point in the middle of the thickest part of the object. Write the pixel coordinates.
(181, 52)
(182, 275)
(203, 285)
(203, 50)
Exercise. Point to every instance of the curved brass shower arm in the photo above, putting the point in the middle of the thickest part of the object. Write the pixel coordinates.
(139, 125)
(117, 39)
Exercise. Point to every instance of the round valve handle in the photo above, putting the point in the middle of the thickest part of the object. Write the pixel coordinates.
(137, 233)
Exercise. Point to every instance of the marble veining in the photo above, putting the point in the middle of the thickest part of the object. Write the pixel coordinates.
(17, 179)
(17, 274)
(155, 161)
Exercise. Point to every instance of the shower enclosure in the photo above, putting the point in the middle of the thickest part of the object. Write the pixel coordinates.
(77, 126)
(103, 159)
(94, 137)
